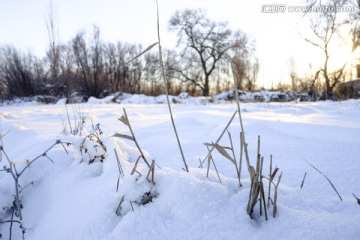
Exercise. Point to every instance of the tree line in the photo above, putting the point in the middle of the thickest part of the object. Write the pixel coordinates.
(88, 66)
(209, 58)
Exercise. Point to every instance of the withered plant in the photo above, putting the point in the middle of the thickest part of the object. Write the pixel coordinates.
(15, 211)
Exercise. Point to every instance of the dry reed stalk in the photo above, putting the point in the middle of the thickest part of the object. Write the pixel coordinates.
(211, 159)
(166, 90)
(234, 157)
(240, 117)
(219, 138)
(269, 189)
(223, 152)
(200, 163)
(332, 185)
(68, 118)
(135, 166)
(139, 55)
(241, 150)
(152, 171)
(253, 198)
(125, 120)
(257, 192)
(118, 209)
(121, 173)
(255, 174)
(275, 195)
(165, 85)
(357, 199)
(303, 181)
(237, 97)
(262, 199)
(261, 167)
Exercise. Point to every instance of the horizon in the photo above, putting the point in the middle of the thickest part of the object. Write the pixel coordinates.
(277, 35)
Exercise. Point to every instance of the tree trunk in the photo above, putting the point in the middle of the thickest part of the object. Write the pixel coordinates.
(206, 86)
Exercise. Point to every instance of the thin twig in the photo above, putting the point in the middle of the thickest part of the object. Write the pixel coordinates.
(211, 159)
(302, 183)
(136, 142)
(219, 138)
(357, 199)
(332, 185)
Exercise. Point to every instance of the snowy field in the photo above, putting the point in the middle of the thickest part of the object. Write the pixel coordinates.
(70, 199)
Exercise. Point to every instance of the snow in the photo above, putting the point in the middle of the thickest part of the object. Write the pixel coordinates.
(183, 97)
(72, 199)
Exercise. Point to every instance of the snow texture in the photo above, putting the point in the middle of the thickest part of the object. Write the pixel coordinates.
(74, 200)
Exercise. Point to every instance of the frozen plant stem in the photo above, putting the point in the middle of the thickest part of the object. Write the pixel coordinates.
(133, 135)
(210, 159)
(268, 200)
(16, 176)
(234, 157)
(332, 185)
(166, 89)
(219, 138)
(302, 183)
(240, 118)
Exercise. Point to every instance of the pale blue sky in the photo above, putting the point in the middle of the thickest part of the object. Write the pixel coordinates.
(22, 24)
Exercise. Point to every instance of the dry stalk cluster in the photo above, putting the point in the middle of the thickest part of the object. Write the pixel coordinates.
(150, 174)
(92, 148)
(257, 191)
(75, 120)
(13, 214)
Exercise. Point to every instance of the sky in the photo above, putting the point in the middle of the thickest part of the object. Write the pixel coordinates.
(278, 36)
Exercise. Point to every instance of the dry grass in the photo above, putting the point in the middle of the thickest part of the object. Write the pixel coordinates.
(16, 208)
(331, 184)
(125, 120)
(150, 175)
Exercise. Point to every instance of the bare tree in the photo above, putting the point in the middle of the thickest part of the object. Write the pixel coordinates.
(204, 44)
(326, 25)
(53, 54)
(293, 74)
(21, 74)
(124, 76)
(151, 72)
(355, 18)
(90, 63)
(245, 68)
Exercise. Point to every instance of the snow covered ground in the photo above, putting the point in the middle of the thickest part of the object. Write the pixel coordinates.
(71, 199)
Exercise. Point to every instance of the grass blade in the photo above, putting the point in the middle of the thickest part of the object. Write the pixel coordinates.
(119, 135)
(332, 185)
(221, 150)
(357, 199)
(143, 52)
